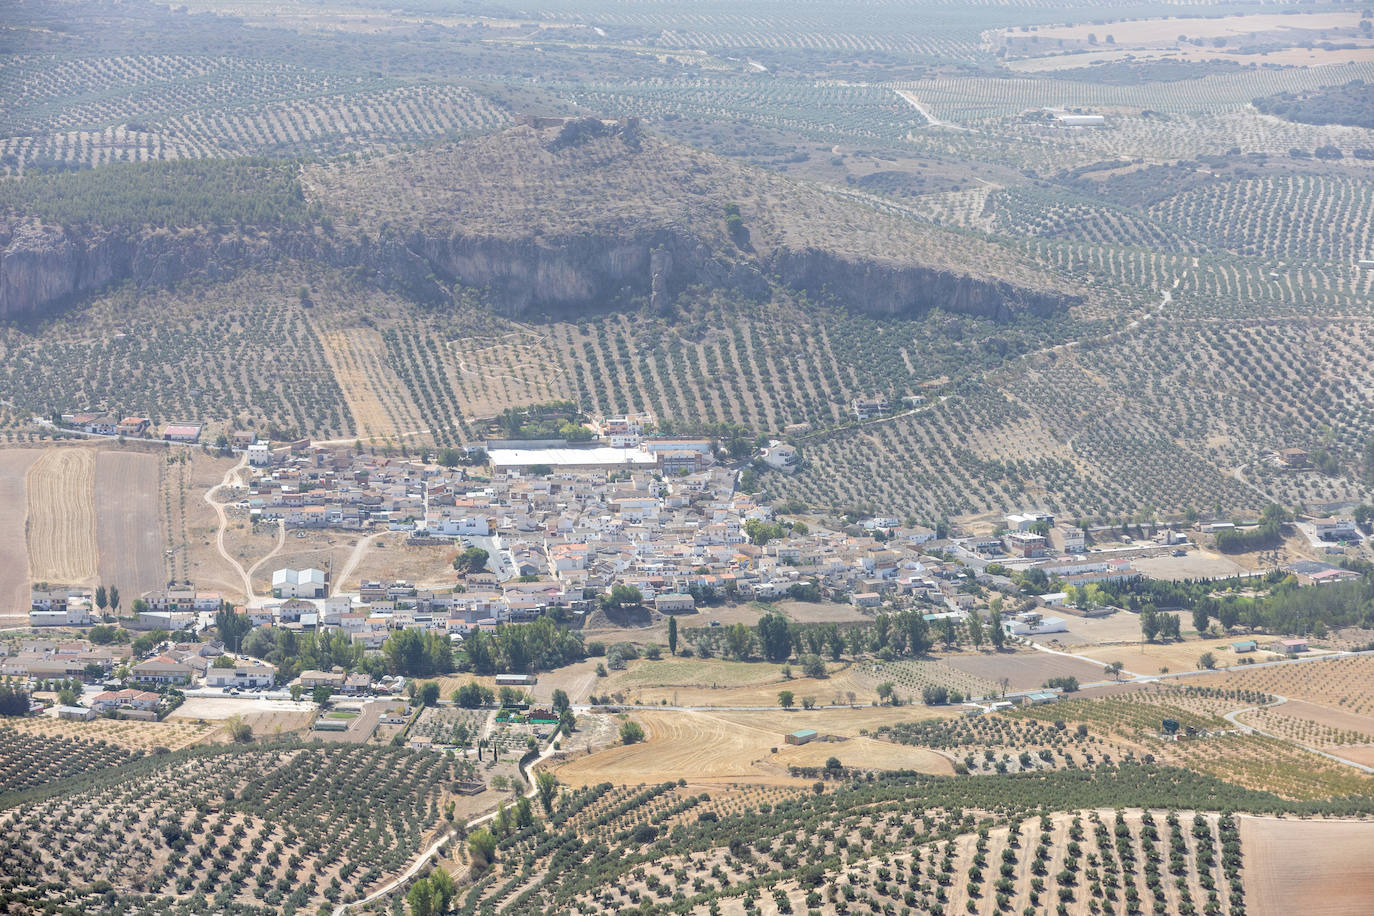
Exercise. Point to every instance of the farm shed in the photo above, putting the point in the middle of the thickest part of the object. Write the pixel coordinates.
(1294, 646)
(75, 713)
(1040, 697)
(802, 736)
(1245, 645)
(515, 680)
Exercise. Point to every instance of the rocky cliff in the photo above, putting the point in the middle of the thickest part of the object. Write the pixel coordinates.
(41, 267)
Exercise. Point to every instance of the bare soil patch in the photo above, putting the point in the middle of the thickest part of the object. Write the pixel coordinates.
(129, 533)
(61, 520)
(1196, 565)
(710, 748)
(1156, 658)
(1319, 868)
(14, 551)
(1024, 670)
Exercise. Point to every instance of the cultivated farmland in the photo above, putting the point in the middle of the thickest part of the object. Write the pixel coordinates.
(1328, 863)
(127, 490)
(62, 517)
(283, 825)
(714, 748)
(14, 550)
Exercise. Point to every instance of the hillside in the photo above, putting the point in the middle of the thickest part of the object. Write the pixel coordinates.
(576, 210)
(561, 218)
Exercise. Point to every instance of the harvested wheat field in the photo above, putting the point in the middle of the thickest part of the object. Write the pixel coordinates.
(376, 396)
(14, 551)
(710, 748)
(129, 533)
(61, 523)
(1316, 868)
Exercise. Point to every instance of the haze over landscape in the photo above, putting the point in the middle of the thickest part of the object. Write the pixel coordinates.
(823, 456)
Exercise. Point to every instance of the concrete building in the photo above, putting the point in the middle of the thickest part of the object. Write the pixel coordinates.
(298, 583)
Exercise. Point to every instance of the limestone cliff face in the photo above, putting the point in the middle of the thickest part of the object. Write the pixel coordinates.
(41, 267)
(882, 288)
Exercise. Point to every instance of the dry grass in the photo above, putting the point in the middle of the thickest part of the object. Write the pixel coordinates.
(1154, 658)
(62, 518)
(717, 682)
(712, 748)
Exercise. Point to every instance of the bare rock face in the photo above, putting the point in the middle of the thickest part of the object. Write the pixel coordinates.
(41, 267)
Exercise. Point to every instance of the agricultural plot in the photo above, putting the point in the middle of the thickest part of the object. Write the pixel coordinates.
(376, 398)
(208, 349)
(1155, 658)
(14, 550)
(910, 676)
(265, 828)
(131, 734)
(1312, 725)
(28, 760)
(1023, 670)
(452, 726)
(1268, 765)
(128, 529)
(901, 841)
(1325, 861)
(1343, 684)
(710, 748)
(981, 99)
(90, 111)
(62, 517)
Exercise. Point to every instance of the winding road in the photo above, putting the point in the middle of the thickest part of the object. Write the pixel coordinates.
(218, 506)
(423, 858)
(1279, 701)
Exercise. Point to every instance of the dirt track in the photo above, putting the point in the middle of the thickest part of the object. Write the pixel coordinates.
(61, 522)
(128, 527)
(14, 551)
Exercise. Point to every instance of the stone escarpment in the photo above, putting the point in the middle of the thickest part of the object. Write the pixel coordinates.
(42, 267)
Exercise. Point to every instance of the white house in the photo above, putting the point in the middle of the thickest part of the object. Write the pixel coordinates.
(244, 673)
(259, 454)
(458, 526)
(298, 583)
(1033, 624)
(1024, 520)
(781, 457)
(1341, 528)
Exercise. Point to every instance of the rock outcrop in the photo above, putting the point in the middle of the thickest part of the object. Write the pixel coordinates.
(41, 267)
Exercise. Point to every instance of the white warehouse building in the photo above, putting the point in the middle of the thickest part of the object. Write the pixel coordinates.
(298, 583)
